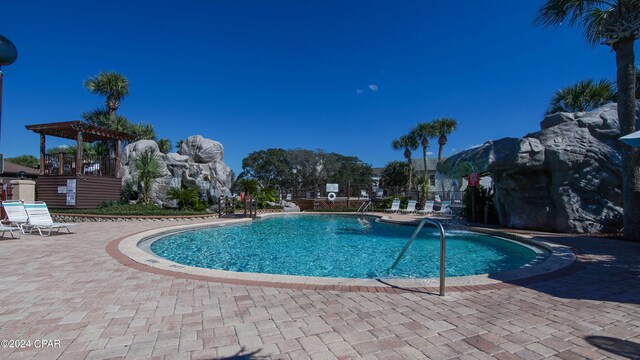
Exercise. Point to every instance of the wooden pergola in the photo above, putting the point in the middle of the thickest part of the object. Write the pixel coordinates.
(81, 132)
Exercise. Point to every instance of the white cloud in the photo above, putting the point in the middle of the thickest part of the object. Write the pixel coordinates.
(454, 150)
(359, 91)
(373, 87)
(474, 146)
(429, 152)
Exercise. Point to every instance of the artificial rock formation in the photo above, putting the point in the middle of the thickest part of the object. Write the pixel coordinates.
(198, 163)
(566, 177)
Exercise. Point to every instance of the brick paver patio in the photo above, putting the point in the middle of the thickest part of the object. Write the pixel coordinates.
(68, 288)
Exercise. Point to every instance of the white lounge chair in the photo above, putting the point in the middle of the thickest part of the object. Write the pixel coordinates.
(39, 218)
(16, 214)
(411, 207)
(10, 229)
(428, 208)
(395, 207)
(445, 209)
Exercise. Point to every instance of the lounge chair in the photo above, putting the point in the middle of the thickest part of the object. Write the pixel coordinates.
(39, 218)
(428, 208)
(445, 209)
(16, 214)
(411, 207)
(395, 207)
(10, 229)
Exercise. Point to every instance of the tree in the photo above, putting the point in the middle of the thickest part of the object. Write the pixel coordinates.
(615, 23)
(25, 160)
(164, 145)
(585, 95)
(423, 132)
(146, 168)
(409, 143)
(395, 175)
(113, 86)
(443, 127)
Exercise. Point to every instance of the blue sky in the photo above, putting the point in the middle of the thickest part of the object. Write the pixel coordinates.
(342, 76)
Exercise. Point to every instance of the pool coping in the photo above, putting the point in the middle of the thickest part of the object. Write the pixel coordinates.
(127, 252)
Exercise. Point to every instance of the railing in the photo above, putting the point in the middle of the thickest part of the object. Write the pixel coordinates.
(443, 243)
(65, 164)
(364, 206)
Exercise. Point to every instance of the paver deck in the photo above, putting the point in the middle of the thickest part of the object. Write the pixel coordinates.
(67, 288)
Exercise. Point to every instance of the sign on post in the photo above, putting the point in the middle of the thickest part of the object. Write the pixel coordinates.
(474, 179)
(332, 188)
(71, 192)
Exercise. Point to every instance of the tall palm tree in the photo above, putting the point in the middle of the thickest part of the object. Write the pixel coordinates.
(114, 86)
(409, 143)
(615, 23)
(423, 132)
(443, 127)
(585, 95)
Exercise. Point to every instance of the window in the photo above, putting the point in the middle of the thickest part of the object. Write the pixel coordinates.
(432, 180)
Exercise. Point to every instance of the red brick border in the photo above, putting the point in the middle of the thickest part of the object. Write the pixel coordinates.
(113, 251)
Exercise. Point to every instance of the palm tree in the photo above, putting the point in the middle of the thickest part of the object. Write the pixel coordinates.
(146, 168)
(615, 23)
(164, 145)
(443, 127)
(423, 132)
(248, 186)
(114, 86)
(409, 143)
(585, 95)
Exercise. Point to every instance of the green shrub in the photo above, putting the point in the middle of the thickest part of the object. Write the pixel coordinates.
(187, 197)
(386, 202)
(108, 203)
(129, 191)
(130, 210)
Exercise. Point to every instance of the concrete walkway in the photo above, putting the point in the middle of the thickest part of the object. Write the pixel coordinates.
(67, 290)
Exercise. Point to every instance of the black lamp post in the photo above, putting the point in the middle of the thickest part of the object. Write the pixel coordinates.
(8, 54)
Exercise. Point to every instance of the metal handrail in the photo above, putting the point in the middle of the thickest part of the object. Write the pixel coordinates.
(443, 242)
(365, 205)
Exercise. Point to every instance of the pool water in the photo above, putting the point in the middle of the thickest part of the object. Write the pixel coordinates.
(339, 246)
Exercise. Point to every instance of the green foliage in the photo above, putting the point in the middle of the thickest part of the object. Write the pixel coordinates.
(264, 195)
(481, 195)
(131, 210)
(113, 86)
(395, 175)
(186, 197)
(603, 22)
(108, 203)
(146, 168)
(302, 170)
(25, 160)
(423, 184)
(461, 169)
(164, 145)
(585, 95)
(129, 191)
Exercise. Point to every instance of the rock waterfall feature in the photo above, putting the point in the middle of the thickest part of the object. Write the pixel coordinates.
(567, 177)
(198, 162)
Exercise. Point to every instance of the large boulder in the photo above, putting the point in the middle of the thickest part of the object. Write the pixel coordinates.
(566, 177)
(199, 163)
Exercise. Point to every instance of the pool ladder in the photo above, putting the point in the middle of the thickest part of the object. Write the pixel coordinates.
(443, 242)
(363, 207)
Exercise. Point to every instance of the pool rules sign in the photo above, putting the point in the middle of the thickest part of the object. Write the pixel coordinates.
(71, 192)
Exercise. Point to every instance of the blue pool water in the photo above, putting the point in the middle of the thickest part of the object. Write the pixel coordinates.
(338, 246)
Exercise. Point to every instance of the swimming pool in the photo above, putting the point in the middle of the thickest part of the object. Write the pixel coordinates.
(340, 246)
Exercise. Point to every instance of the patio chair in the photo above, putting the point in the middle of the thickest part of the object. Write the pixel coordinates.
(428, 208)
(445, 209)
(10, 229)
(395, 207)
(39, 218)
(411, 207)
(16, 214)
